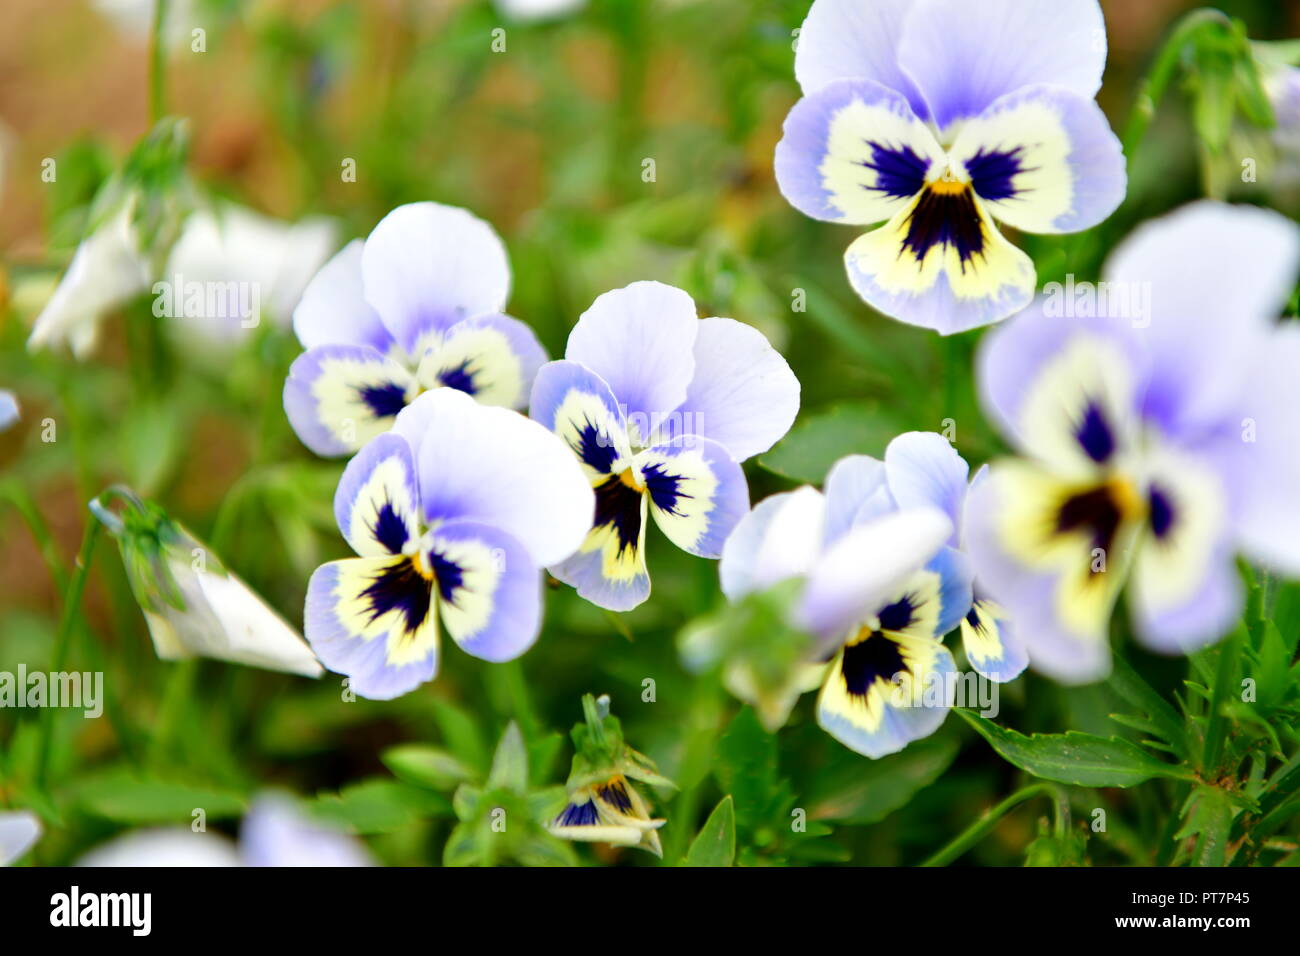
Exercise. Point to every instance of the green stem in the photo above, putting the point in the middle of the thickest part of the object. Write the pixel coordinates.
(71, 602)
(1217, 729)
(179, 689)
(981, 828)
(157, 63)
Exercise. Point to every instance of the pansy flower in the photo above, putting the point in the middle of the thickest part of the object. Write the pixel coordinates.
(936, 118)
(881, 588)
(452, 515)
(923, 469)
(660, 407)
(414, 307)
(1158, 438)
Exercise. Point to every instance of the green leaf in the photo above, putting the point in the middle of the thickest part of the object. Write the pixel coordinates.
(1207, 815)
(1083, 760)
(715, 845)
(865, 791)
(510, 764)
(1164, 721)
(122, 798)
(426, 766)
(379, 806)
(747, 769)
(821, 439)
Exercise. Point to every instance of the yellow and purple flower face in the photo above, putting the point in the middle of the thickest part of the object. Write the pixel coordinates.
(882, 586)
(452, 516)
(936, 118)
(660, 407)
(611, 811)
(414, 307)
(1154, 446)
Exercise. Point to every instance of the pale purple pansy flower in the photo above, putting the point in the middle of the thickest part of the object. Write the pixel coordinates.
(275, 832)
(416, 306)
(452, 514)
(881, 587)
(661, 407)
(937, 117)
(1159, 438)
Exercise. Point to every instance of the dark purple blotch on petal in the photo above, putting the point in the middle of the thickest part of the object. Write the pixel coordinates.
(944, 216)
(389, 529)
(449, 575)
(578, 815)
(618, 506)
(595, 448)
(460, 378)
(400, 587)
(1094, 434)
(665, 489)
(874, 658)
(1161, 511)
(385, 400)
(900, 172)
(992, 172)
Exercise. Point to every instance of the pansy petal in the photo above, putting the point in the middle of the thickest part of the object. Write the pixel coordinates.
(492, 357)
(1199, 333)
(884, 691)
(576, 404)
(856, 490)
(923, 468)
(276, 832)
(847, 39)
(1186, 591)
(1054, 554)
(854, 152)
(1266, 453)
(427, 266)
(373, 620)
(963, 56)
(1067, 392)
(639, 339)
(333, 309)
(19, 831)
(489, 590)
(1043, 160)
(867, 564)
(781, 538)
(609, 568)
(941, 264)
(493, 465)
(697, 492)
(338, 397)
(743, 396)
(377, 504)
(992, 644)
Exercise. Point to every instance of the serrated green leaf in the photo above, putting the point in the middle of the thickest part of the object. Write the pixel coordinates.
(1083, 760)
(715, 845)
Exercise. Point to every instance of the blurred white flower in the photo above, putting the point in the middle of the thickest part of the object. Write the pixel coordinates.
(8, 409)
(242, 265)
(19, 830)
(107, 269)
(526, 10)
(274, 833)
(135, 18)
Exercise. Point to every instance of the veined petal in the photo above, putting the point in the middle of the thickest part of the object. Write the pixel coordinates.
(338, 397)
(854, 152)
(856, 490)
(373, 620)
(377, 504)
(846, 39)
(489, 589)
(697, 492)
(923, 468)
(333, 309)
(1055, 553)
(609, 568)
(639, 339)
(1043, 160)
(427, 266)
(492, 357)
(780, 539)
(883, 691)
(963, 56)
(744, 395)
(992, 645)
(497, 467)
(1186, 590)
(942, 264)
(576, 404)
(867, 564)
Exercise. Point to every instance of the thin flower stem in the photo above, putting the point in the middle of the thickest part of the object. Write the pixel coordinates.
(157, 63)
(71, 603)
(985, 824)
